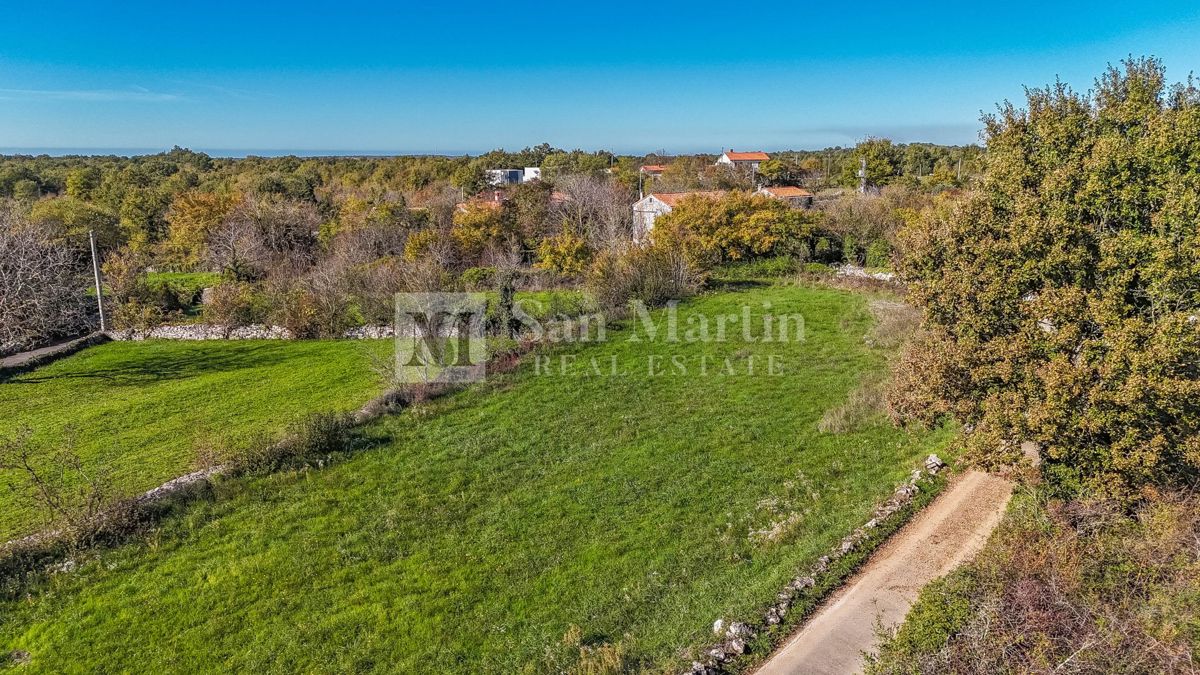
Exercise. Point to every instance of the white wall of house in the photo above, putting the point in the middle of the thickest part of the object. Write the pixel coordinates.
(645, 211)
(531, 173)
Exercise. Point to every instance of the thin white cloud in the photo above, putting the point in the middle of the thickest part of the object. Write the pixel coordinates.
(232, 92)
(134, 94)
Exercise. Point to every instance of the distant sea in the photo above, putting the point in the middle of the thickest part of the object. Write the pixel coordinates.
(216, 152)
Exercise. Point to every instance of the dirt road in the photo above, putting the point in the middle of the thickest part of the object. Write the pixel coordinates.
(948, 532)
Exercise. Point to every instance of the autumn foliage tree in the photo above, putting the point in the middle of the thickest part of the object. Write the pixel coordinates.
(737, 226)
(1060, 300)
(192, 219)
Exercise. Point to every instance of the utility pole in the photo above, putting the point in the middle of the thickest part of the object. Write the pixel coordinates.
(96, 274)
(862, 176)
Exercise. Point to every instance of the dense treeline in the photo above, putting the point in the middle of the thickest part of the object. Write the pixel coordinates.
(321, 244)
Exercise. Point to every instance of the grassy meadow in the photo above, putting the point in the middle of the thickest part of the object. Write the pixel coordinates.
(142, 411)
(561, 516)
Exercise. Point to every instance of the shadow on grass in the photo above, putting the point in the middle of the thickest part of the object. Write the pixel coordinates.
(736, 284)
(155, 364)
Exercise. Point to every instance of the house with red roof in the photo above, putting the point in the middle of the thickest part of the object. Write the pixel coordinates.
(748, 161)
(655, 204)
(795, 196)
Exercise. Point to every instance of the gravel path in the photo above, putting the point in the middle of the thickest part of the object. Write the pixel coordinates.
(946, 533)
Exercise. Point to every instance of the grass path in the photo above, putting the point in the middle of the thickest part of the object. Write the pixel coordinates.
(535, 524)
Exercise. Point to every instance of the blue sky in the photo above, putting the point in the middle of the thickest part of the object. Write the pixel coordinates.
(467, 76)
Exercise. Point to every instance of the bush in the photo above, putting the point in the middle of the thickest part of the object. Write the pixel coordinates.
(478, 278)
(235, 303)
(850, 250)
(879, 254)
(309, 439)
(1065, 586)
(564, 255)
(824, 251)
(652, 274)
(135, 304)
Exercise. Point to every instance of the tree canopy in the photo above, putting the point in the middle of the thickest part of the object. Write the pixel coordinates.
(1061, 299)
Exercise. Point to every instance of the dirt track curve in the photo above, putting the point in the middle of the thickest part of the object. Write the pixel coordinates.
(948, 532)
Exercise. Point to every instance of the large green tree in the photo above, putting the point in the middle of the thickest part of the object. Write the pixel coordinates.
(1061, 300)
(883, 162)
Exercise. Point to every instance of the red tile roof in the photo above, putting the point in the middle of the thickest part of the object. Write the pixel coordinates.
(787, 191)
(653, 168)
(756, 156)
(673, 198)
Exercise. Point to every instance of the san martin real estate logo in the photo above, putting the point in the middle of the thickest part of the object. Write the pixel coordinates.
(440, 337)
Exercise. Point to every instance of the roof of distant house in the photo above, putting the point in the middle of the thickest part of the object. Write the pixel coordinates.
(756, 156)
(787, 191)
(654, 168)
(673, 198)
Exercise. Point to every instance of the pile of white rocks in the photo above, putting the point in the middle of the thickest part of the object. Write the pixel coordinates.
(736, 635)
(370, 332)
(862, 273)
(204, 331)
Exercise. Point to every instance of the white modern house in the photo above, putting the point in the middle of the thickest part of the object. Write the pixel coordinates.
(655, 204)
(748, 161)
(513, 176)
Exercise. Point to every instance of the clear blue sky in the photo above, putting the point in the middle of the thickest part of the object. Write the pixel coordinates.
(467, 76)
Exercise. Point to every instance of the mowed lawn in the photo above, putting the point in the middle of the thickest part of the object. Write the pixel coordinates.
(141, 411)
(498, 529)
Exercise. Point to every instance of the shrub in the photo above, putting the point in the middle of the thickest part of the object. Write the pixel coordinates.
(478, 277)
(75, 496)
(652, 274)
(879, 254)
(850, 250)
(823, 250)
(564, 255)
(1065, 586)
(295, 309)
(137, 304)
(308, 439)
(235, 303)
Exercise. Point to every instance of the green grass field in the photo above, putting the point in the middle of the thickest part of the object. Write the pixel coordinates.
(140, 411)
(501, 528)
